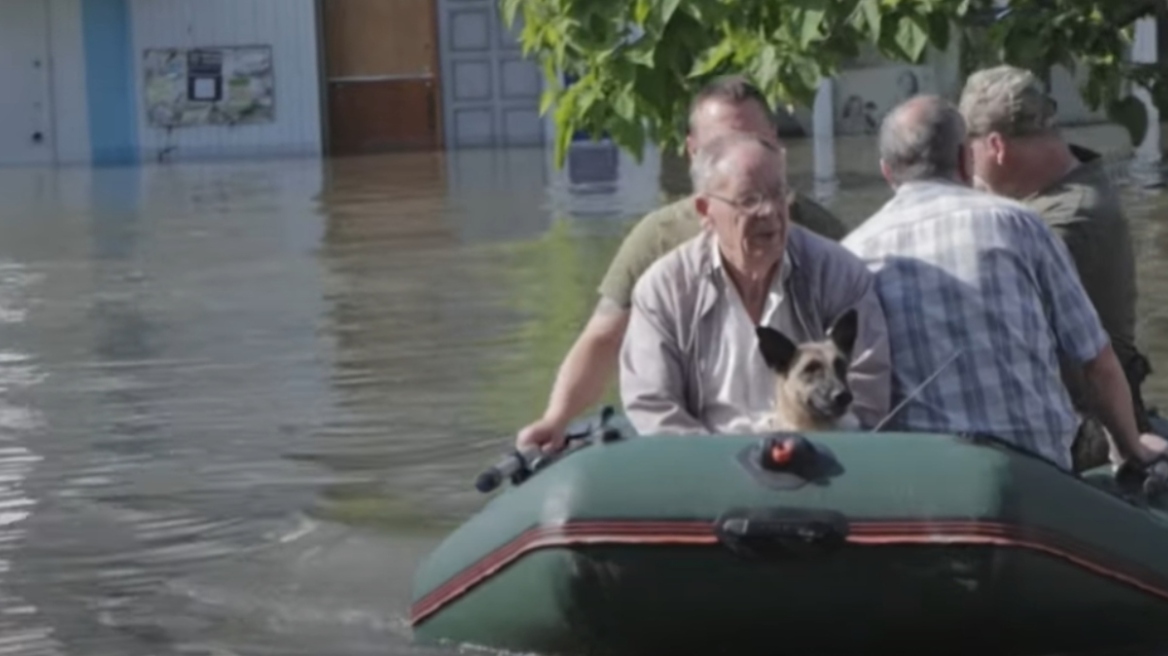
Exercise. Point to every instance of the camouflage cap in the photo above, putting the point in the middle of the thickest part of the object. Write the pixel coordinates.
(1008, 100)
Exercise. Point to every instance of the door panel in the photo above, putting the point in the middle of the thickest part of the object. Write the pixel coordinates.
(385, 37)
(25, 138)
(378, 116)
(382, 88)
(491, 92)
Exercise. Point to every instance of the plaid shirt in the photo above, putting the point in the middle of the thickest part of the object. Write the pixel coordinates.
(961, 269)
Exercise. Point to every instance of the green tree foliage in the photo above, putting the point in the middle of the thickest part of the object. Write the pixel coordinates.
(636, 63)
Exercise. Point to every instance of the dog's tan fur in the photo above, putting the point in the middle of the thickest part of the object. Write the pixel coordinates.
(810, 374)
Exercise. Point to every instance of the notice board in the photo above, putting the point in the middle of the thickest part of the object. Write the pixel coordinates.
(224, 85)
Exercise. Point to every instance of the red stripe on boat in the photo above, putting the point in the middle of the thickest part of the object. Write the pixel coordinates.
(869, 533)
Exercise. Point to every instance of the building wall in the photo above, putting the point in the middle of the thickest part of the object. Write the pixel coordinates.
(69, 83)
(289, 26)
(42, 71)
(878, 83)
(95, 112)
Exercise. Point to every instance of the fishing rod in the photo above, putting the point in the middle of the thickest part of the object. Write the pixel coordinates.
(916, 391)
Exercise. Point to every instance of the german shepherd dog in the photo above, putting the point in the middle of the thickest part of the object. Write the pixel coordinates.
(811, 387)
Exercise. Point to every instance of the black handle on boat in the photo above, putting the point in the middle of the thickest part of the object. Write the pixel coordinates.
(781, 532)
(518, 464)
(507, 467)
(1148, 480)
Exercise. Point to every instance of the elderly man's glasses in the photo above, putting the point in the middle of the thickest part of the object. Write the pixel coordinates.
(753, 203)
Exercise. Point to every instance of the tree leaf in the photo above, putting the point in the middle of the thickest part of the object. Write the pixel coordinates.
(624, 106)
(1130, 113)
(642, 52)
(566, 120)
(812, 22)
(767, 66)
(939, 30)
(712, 58)
(635, 84)
(641, 11)
(655, 90)
(872, 16)
(509, 9)
(630, 135)
(667, 8)
(547, 99)
(808, 74)
(911, 37)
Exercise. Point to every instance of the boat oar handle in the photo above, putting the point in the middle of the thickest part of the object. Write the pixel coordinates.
(1148, 479)
(517, 465)
(508, 466)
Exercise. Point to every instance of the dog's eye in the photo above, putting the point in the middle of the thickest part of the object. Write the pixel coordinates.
(813, 367)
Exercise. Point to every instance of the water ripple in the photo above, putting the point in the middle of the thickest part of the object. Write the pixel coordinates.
(239, 402)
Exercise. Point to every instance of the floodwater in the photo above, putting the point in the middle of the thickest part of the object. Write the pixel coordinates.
(240, 401)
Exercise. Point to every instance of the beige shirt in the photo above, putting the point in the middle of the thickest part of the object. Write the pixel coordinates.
(666, 228)
(674, 332)
(742, 387)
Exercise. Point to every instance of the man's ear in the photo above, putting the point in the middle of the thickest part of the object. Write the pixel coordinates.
(997, 145)
(777, 351)
(887, 173)
(702, 204)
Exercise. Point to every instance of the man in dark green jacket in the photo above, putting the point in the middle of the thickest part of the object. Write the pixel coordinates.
(1017, 151)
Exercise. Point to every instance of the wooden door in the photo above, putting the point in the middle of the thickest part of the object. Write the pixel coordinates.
(381, 62)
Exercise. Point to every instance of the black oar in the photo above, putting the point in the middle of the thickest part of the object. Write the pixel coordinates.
(518, 465)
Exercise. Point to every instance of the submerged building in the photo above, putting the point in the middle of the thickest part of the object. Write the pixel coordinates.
(123, 81)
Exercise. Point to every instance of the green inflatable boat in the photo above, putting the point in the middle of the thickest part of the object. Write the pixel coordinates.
(838, 544)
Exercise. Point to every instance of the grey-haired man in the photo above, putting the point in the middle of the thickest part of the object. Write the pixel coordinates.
(966, 272)
(1017, 151)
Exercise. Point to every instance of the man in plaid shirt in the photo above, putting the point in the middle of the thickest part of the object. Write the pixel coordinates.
(967, 272)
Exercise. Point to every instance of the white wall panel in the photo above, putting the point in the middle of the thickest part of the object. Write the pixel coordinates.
(25, 109)
(288, 26)
(69, 103)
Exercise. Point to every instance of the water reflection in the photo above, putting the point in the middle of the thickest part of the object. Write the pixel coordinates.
(22, 626)
(238, 402)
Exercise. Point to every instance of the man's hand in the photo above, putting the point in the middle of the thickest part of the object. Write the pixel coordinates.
(544, 433)
(586, 369)
(1148, 460)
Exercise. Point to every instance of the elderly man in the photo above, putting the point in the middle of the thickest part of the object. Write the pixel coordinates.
(1018, 152)
(690, 362)
(965, 272)
(729, 104)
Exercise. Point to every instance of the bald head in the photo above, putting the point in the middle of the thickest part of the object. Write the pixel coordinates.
(729, 104)
(714, 103)
(922, 139)
(735, 154)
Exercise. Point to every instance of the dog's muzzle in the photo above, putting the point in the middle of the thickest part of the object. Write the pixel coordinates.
(833, 404)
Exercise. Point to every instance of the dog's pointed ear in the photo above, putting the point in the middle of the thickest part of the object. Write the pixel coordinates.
(777, 351)
(843, 331)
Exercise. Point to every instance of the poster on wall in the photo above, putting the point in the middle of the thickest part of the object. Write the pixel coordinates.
(863, 96)
(209, 86)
